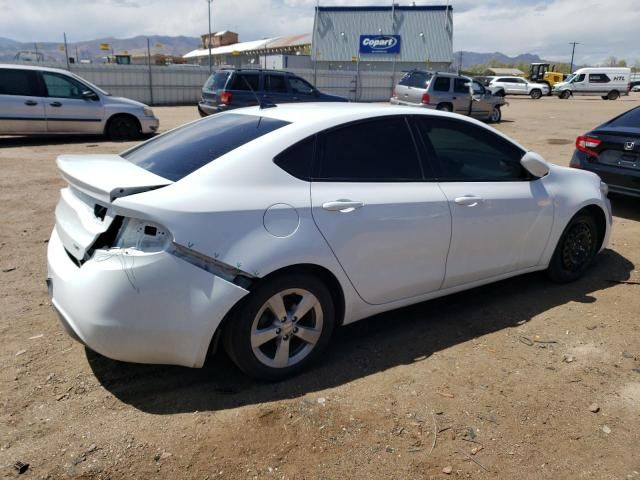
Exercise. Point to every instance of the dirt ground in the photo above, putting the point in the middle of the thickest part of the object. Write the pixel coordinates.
(497, 382)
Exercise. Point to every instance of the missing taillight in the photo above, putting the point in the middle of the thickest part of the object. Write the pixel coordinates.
(99, 211)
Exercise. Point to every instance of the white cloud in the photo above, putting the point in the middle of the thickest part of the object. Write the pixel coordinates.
(537, 26)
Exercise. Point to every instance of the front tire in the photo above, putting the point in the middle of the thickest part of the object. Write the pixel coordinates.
(281, 327)
(123, 127)
(575, 251)
(565, 94)
(536, 93)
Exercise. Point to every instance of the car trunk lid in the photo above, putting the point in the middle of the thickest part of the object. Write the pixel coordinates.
(85, 209)
(619, 147)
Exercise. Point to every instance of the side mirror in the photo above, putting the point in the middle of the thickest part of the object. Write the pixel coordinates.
(535, 164)
(89, 95)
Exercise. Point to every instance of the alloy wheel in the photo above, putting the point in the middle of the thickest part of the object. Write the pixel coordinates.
(287, 328)
(578, 247)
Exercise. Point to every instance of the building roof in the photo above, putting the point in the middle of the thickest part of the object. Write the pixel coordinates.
(397, 8)
(254, 46)
(504, 71)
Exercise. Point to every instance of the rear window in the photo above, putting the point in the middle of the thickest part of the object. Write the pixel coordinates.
(630, 119)
(416, 79)
(184, 150)
(217, 81)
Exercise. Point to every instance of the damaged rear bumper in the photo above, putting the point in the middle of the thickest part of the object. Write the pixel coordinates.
(144, 308)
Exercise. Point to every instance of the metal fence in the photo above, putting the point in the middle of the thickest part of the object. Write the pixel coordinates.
(182, 84)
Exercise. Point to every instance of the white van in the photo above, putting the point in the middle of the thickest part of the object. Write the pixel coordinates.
(607, 82)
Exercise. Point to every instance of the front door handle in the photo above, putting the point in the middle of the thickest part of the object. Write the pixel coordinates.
(468, 200)
(31, 103)
(344, 206)
(56, 104)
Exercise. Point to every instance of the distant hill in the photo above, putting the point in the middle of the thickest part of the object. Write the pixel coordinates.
(475, 58)
(91, 49)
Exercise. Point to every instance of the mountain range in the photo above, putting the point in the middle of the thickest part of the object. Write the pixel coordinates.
(54, 51)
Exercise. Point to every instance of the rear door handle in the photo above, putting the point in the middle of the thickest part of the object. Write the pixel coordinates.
(31, 103)
(468, 200)
(56, 104)
(344, 206)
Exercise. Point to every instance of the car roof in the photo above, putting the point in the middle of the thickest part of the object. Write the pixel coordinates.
(33, 67)
(254, 70)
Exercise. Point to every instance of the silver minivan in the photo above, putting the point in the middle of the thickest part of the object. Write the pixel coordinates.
(42, 101)
(448, 92)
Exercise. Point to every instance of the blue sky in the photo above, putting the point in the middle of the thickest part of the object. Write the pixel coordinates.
(544, 27)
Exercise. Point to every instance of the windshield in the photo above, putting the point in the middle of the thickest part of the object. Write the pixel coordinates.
(184, 150)
(90, 85)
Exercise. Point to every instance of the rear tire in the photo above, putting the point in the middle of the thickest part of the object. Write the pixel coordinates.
(123, 127)
(576, 249)
(536, 93)
(613, 95)
(565, 94)
(265, 346)
(444, 107)
(605, 97)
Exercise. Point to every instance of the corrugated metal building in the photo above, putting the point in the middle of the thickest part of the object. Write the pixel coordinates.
(385, 38)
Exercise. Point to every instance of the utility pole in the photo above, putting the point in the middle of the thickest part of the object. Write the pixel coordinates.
(460, 63)
(573, 51)
(210, 64)
(150, 74)
(66, 50)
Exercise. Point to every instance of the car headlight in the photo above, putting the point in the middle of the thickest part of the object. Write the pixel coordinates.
(143, 236)
(148, 112)
(604, 188)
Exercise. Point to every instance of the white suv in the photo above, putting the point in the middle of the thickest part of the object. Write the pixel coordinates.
(518, 86)
(43, 101)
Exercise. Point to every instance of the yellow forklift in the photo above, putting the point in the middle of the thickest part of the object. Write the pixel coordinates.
(541, 73)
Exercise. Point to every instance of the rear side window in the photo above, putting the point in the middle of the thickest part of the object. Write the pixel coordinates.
(630, 119)
(380, 150)
(275, 84)
(442, 84)
(598, 78)
(184, 150)
(217, 81)
(297, 159)
(460, 85)
(19, 82)
(245, 81)
(468, 153)
(416, 79)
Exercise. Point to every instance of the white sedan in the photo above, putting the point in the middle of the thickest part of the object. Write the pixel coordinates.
(267, 228)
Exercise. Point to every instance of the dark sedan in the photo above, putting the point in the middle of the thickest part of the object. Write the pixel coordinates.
(612, 150)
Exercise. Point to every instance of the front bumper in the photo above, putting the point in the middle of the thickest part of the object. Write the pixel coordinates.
(149, 124)
(144, 308)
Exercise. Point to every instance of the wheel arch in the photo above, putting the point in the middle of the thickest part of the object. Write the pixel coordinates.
(332, 282)
(601, 220)
(121, 114)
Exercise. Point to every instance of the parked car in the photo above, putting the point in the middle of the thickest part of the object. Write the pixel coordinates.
(39, 100)
(612, 150)
(228, 89)
(517, 86)
(635, 86)
(268, 228)
(447, 92)
(606, 82)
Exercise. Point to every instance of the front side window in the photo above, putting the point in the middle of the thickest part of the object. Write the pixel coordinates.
(245, 81)
(297, 85)
(275, 84)
(442, 84)
(380, 150)
(184, 150)
(578, 78)
(468, 153)
(19, 82)
(60, 86)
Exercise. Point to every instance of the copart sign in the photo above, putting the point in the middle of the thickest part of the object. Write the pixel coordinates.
(380, 44)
